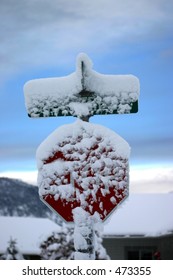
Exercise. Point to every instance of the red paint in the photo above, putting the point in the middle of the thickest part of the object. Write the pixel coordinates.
(64, 208)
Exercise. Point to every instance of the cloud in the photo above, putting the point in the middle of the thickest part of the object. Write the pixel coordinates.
(26, 176)
(151, 179)
(152, 149)
(36, 33)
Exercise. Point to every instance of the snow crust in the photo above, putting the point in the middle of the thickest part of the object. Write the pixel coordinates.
(78, 159)
(84, 89)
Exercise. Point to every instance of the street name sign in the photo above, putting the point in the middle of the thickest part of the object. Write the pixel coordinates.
(82, 93)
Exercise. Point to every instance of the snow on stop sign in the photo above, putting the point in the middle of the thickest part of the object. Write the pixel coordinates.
(83, 165)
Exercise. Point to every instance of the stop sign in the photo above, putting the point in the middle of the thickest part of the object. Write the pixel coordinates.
(83, 165)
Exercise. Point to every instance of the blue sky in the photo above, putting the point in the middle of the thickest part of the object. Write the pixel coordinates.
(42, 39)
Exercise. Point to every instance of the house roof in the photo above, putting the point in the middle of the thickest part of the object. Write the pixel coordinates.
(140, 214)
(27, 232)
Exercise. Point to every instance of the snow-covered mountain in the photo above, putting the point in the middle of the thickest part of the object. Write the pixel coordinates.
(20, 199)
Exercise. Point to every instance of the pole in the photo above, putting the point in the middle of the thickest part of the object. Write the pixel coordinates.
(84, 235)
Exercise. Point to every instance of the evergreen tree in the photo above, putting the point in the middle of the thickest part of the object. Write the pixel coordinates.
(60, 246)
(100, 251)
(12, 252)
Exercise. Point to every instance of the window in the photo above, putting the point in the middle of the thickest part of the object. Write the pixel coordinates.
(140, 253)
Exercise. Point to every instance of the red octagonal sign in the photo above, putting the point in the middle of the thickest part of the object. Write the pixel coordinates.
(83, 165)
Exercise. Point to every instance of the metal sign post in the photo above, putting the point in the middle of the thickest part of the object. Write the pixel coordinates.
(84, 235)
(83, 168)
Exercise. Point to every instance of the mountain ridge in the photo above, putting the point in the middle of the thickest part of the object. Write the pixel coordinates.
(18, 198)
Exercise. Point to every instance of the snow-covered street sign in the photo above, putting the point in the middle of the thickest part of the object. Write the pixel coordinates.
(82, 93)
(83, 165)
